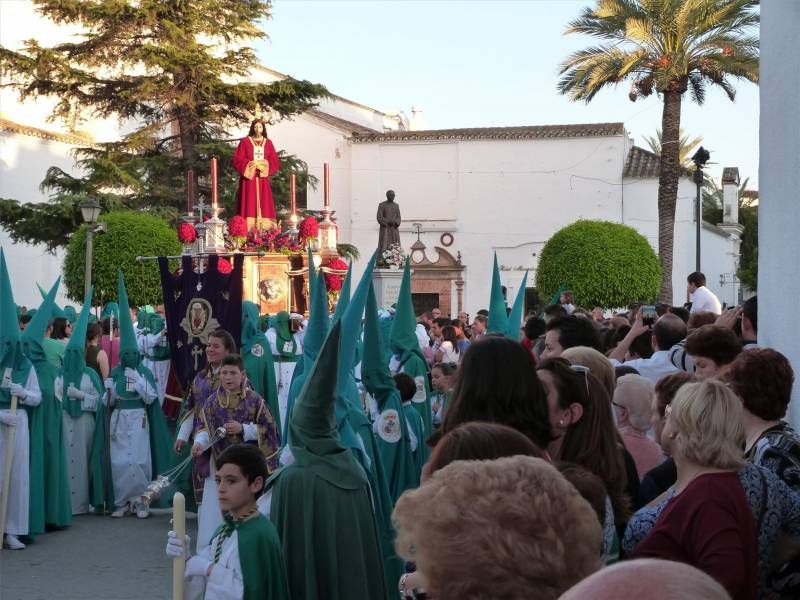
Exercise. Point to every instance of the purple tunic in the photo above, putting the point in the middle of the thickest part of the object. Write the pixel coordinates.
(214, 413)
(205, 384)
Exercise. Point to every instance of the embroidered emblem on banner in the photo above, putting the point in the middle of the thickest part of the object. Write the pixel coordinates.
(389, 426)
(199, 322)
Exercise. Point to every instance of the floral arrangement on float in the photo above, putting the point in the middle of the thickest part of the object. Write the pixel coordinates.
(335, 270)
(392, 258)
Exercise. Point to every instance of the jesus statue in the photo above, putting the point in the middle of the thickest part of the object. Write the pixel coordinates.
(256, 160)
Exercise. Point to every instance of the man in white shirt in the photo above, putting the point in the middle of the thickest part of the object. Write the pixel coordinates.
(702, 298)
(668, 331)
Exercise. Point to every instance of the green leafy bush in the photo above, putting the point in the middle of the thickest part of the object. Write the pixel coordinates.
(129, 234)
(604, 264)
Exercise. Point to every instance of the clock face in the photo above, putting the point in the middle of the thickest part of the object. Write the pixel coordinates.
(417, 256)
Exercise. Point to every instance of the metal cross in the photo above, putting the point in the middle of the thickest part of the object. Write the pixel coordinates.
(196, 353)
(417, 229)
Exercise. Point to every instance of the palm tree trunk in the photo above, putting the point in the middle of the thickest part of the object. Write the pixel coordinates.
(668, 187)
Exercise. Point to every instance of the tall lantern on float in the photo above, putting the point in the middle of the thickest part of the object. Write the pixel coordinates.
(328, 235)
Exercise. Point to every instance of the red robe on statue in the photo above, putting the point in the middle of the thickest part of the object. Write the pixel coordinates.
(254, 185)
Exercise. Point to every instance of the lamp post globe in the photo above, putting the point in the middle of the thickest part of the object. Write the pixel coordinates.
(90, 211)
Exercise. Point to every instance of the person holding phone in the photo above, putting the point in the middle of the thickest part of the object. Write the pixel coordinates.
(666, 332)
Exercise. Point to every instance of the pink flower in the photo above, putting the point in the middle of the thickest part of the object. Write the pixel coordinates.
(186, 233)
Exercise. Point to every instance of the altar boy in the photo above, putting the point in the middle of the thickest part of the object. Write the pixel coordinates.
(244, 560)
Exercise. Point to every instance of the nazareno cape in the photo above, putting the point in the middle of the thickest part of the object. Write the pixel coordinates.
(321, 505)
(405, 345)
(49, 425)
(258, 362)
(102, 492)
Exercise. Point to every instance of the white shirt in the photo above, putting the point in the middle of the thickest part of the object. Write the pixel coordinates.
(703, 299)
(654, 368)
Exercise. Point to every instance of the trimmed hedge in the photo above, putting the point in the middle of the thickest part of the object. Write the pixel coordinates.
(129, 234)
(604, 264)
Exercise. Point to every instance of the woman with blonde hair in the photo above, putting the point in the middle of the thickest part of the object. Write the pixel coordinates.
(722, 515)
(598, 365)
(533, 536)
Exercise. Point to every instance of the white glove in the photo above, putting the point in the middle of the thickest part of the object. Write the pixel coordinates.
(134, 376)
(177, 547)
(75, 393)
(108, 383)
(9, 419)
(18, 391)
(197, 566)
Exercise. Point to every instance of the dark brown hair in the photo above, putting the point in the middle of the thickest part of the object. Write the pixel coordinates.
(667, 387)
(592, 442)
(252, 131)
(719, 344)
(698, 319)
(449, 335)
(589, 485)
(480, 441)
(763, 379)
(697, 278)
(497, 382)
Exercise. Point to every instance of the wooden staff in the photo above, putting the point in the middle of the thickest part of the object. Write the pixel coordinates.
(179, 527)
(12, 432)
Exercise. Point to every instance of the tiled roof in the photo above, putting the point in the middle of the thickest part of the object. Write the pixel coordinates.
(750, 194)
(643, 164)
(343, 124)
(730, 175)
(533, 132)
(68, 138)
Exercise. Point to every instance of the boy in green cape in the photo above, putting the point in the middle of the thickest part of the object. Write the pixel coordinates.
(244, 560)
(138, 446)
(57, 502)
(408, 355)
(17, 378)
(321, 504)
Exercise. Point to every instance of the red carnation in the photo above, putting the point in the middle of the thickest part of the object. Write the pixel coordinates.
(224, 266)
(308, 228)
(186, 233)
(333, 281)
(237, 227)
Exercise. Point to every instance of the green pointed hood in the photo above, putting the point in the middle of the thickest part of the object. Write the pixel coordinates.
(351, 333)
(403, 337)
(75, 353)
(317, 327)
(344, 295)
(313, 429)
(129, 355)
(312, 274)
(157, 322)
(374, 368)
(71, 313)
(251, 334)
(143, 320)
(110, 308)
(515, 317)
(55, 311)
(33, 336)
(11, 355)
(498, 316)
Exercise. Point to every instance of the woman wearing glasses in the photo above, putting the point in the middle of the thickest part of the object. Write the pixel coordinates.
(583, 433)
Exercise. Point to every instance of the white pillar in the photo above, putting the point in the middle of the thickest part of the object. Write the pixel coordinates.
(779, 216)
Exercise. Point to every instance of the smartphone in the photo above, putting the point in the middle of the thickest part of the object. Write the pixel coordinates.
(649, 314)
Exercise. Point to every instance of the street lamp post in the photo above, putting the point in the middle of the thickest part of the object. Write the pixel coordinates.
(90, 211)
(699, 159)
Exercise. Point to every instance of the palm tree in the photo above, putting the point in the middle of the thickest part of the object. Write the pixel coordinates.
(686, 147)
(668, 47)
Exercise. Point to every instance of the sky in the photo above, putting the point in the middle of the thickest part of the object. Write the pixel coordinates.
(470, 63)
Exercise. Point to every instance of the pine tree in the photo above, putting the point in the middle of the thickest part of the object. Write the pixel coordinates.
(177, 72)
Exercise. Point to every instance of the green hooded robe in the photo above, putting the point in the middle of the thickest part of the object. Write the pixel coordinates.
(57, 499)
(12, 357)
(102, 493)
(405, 345)
(258, 362)
(321, 504)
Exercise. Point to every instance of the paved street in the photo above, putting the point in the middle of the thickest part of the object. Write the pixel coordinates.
(97, 558)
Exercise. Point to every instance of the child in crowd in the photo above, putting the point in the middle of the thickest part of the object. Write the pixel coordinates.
(443, 377)
(244, 560)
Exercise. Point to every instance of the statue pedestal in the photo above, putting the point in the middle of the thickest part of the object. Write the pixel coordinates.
(387, 285)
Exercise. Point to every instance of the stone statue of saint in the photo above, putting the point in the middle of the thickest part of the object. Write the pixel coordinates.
(389, 219)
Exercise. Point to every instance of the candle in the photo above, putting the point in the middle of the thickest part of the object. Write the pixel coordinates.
(179, 527)
(292, 192)
(326, 185)
(190, 189)
(214, 183)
